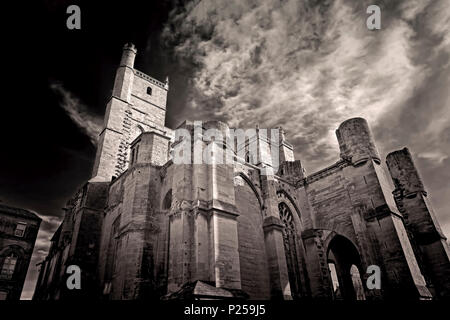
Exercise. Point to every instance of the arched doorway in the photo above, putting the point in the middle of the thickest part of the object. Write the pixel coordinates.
(345, 265)
(290, 249)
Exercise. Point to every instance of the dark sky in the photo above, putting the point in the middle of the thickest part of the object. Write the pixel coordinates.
(48, 153)
(306, 65)
(46, 156)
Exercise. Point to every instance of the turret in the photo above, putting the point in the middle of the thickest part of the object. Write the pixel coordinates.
(124, 77)
(356, 142)
(166, 83)
(403, 172)
(128, 55)
(420, 220)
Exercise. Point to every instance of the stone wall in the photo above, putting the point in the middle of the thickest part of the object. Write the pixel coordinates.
(21, 246)
(252, 251)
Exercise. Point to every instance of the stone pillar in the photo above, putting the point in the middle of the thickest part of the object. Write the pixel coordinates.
(273, 237)
(180, 238)
(367, 253)
(203, 231)
(317, 265)
(420, 220)
(220, 201)
(401, 276)
(286, 150)
(224, 257)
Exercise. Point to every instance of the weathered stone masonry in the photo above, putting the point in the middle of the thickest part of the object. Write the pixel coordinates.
(146, 228)
(18, 233)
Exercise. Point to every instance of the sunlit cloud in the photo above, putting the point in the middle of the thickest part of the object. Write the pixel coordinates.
(309, 65)
(306, 67)
(89, 123)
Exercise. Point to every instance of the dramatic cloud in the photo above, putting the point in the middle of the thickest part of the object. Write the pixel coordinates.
(79, 113)
(306, 65)
(309, 65)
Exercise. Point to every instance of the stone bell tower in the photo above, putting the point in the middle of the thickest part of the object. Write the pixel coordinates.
(137, 104)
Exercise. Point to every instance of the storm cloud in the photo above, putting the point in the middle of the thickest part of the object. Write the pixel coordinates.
(309, 65)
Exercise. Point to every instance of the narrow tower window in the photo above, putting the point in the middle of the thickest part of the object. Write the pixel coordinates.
(132, 156)
(149, 91)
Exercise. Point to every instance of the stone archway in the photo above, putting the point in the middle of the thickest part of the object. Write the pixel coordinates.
(345, 269)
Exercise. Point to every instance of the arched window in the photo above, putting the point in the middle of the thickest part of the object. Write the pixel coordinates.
(290, 248)
(136, 153)
(9, 265)
(167, 202)
(149, 91)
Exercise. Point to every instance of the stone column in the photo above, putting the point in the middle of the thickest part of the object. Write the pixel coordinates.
(273, 236)
(317, 264)
(412, 200)
(203, 233)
